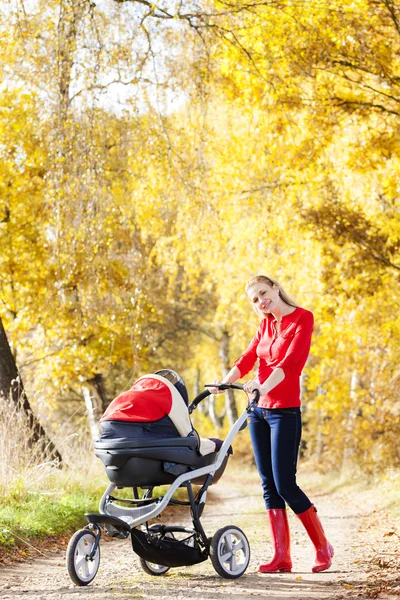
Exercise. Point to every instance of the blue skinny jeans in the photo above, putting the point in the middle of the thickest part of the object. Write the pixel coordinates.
(275, 435)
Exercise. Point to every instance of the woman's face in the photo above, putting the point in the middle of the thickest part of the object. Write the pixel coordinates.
(264, 297)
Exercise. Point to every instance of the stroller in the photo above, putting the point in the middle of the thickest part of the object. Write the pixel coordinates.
(145, 463)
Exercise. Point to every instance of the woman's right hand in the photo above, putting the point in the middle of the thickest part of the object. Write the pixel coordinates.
(215, 390)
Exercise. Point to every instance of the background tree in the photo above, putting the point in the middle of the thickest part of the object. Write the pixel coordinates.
(158, 155)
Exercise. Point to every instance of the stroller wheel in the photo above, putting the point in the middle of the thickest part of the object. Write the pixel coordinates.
(80, 568)
(151, 568)
(230, 552)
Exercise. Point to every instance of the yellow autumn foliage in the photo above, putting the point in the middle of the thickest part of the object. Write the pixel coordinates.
(151, 166)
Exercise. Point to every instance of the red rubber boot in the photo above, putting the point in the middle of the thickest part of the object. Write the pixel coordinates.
(279, 525)
(324, 550)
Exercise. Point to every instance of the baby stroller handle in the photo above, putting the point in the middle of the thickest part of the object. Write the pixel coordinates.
(197, 401)
(237, 386)
(226, 386)
(203, 395)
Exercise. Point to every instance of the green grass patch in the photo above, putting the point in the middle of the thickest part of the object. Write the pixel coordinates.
(58, 510)
(37, 516)
(54, 505)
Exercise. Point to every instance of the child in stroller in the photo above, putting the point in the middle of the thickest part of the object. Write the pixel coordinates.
(148, 441)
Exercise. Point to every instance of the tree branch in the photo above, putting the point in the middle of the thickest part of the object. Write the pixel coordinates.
(390, 6)
(363, 105)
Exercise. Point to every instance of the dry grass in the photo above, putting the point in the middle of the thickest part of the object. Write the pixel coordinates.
(37, 497)
(23, 465)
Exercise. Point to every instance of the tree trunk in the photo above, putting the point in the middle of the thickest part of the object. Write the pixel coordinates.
(217, 420)
(70, 16)
(11, 386)
(203, 406)
(97, 382)
(90, 410)
(319, 435)
(348, 449)
(231, 407)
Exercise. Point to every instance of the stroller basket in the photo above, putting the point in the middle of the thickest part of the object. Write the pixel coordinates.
(164, 549)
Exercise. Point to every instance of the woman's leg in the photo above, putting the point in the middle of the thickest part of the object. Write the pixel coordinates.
(285, 441)
(323, 549)
(276, 510)
(285, 427)
(261, 440)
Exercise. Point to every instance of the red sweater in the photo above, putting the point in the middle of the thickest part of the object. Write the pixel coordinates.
(287, 350)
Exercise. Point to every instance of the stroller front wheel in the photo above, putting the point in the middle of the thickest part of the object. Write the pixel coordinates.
(81, 569)
(151, 568)
(230, 552)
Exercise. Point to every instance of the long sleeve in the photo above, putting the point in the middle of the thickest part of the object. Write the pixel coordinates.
(296, 354)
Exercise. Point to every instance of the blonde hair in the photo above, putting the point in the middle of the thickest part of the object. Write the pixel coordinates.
(271, 282)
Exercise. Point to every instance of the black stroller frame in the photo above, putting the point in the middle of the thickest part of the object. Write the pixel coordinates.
(147, 464)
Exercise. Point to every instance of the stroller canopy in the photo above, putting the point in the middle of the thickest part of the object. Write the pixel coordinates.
(151, 398)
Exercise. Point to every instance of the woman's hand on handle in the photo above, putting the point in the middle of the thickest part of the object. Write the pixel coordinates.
(231, 377)
(251, 386)
(215, 390)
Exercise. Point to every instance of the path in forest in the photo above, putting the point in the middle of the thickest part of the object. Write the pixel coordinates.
(235, 500)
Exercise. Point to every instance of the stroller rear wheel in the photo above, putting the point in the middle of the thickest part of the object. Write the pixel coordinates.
(230, 552)
(151, 568)
(80, 567)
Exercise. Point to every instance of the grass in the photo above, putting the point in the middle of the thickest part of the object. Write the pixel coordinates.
(51, 502)
(38, 499)
(363, 487)
(58, 510)
(36, 516)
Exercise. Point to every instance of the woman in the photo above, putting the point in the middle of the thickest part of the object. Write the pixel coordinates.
(281, 344)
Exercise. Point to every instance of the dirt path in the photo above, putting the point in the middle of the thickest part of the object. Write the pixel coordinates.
(230, 502)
